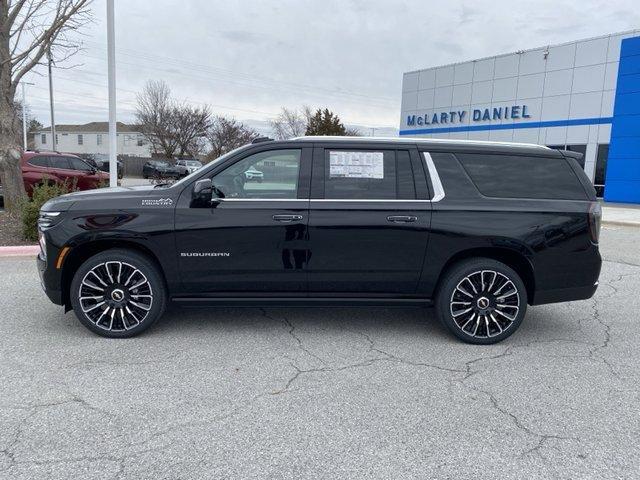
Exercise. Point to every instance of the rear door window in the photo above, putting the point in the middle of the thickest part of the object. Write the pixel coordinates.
(520, 176)
(60, 162)
(368, 175)
(40, 162)
(77, 164)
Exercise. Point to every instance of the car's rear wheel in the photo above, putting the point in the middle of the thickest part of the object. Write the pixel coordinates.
(118, 293)
(481, 301)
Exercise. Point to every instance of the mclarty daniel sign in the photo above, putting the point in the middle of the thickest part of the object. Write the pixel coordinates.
(475, 115)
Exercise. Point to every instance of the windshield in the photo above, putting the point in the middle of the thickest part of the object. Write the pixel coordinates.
(161, 164)
(196, 173)
(193, 163)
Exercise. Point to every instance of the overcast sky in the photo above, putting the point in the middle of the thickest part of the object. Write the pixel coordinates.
(248, 58)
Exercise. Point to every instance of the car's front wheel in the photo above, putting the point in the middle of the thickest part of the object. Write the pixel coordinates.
(481, 301)
(118, 293)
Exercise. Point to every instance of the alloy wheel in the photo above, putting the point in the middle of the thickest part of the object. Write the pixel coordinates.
(115, 296)
(484, 304)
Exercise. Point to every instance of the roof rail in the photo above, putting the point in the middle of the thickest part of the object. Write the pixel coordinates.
(261, 139)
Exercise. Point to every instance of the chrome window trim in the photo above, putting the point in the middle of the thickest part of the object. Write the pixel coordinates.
(416, 200)
(367, 200)
(261, 199)
(438, 190)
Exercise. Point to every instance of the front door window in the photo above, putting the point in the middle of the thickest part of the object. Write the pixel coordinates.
(270, 175)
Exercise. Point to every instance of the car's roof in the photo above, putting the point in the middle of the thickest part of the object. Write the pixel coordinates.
(422, 141)
(33, 153)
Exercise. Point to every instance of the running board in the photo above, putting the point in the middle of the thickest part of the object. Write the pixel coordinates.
(303, 301)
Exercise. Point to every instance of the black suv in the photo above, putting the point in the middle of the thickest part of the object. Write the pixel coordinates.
(479, 230)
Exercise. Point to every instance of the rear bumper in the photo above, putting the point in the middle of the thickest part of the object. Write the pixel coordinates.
(564, 294)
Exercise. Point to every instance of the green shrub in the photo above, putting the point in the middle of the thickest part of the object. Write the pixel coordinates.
(31, 209)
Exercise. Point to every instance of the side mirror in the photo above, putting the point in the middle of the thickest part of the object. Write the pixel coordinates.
(202, 193)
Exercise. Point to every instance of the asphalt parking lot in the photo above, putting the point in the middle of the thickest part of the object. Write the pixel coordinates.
(323, 393)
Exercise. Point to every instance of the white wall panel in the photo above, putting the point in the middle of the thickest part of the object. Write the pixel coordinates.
(501, 135)
(410, 82)
(531, 86)
(463, 73)
(532, 62)
(462, 94)
(585, 105)
(558, 82)
(459, 135)
(425, 99)
(577, 134)
(482, 92)
(505, 89)
(611, 76)
(442, 97)
(556, 108)
(604, 133)
(444, 76)
(427, 79)
(561, 57)
(588, 79)
(409, 101)
(479, 135)
(506, 66)
(591, 52)
(556, 136)
(608, 99)
(526, 135)
(483, 70)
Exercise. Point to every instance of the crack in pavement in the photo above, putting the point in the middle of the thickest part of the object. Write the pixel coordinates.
(292, 334)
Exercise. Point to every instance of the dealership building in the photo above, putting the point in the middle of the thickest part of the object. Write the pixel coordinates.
(582, 96)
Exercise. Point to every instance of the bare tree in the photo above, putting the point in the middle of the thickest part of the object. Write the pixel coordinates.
(172, 129)
(28, 30)
(154, 114)
(191, 125)
(226, 134)
(291, 123)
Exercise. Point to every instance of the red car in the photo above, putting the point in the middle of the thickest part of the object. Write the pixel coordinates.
(39, 167)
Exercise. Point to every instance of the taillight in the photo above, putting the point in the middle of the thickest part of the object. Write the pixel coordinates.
(595, 220)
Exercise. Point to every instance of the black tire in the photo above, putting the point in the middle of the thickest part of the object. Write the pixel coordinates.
(138, 309)
(471, 284)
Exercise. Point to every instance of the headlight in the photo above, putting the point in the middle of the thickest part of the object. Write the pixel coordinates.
(47, 219)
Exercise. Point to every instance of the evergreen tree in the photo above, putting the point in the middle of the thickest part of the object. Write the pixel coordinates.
(324, 122)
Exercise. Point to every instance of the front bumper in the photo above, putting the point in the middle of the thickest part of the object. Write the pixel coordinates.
(49, 281)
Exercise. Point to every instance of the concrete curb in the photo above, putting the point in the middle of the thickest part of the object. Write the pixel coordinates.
(621, 223)
(19, 251)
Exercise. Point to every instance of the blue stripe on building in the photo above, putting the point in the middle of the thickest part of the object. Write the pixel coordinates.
(511, 126)
(623, 163)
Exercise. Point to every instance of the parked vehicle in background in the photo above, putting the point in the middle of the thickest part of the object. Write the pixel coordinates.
(185, 167)
(101, 162)
(479, 230)
(53, 167)
(159, 169)
(253, 174)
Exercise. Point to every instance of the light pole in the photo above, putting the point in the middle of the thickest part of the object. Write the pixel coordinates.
(53, 119)
(24, 114)
(111, 69)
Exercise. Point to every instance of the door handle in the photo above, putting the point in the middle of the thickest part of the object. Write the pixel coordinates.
(287, 218)
(401, 218)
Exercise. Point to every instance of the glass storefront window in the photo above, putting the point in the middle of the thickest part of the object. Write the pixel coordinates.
(601, 169)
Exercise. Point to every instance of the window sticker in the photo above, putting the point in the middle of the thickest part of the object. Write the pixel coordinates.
(356, 165)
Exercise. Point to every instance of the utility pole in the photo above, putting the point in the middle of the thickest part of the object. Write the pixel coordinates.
(53, 120)
(111, 70)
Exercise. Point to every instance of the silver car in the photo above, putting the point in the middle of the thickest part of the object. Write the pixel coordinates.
(185, 167)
